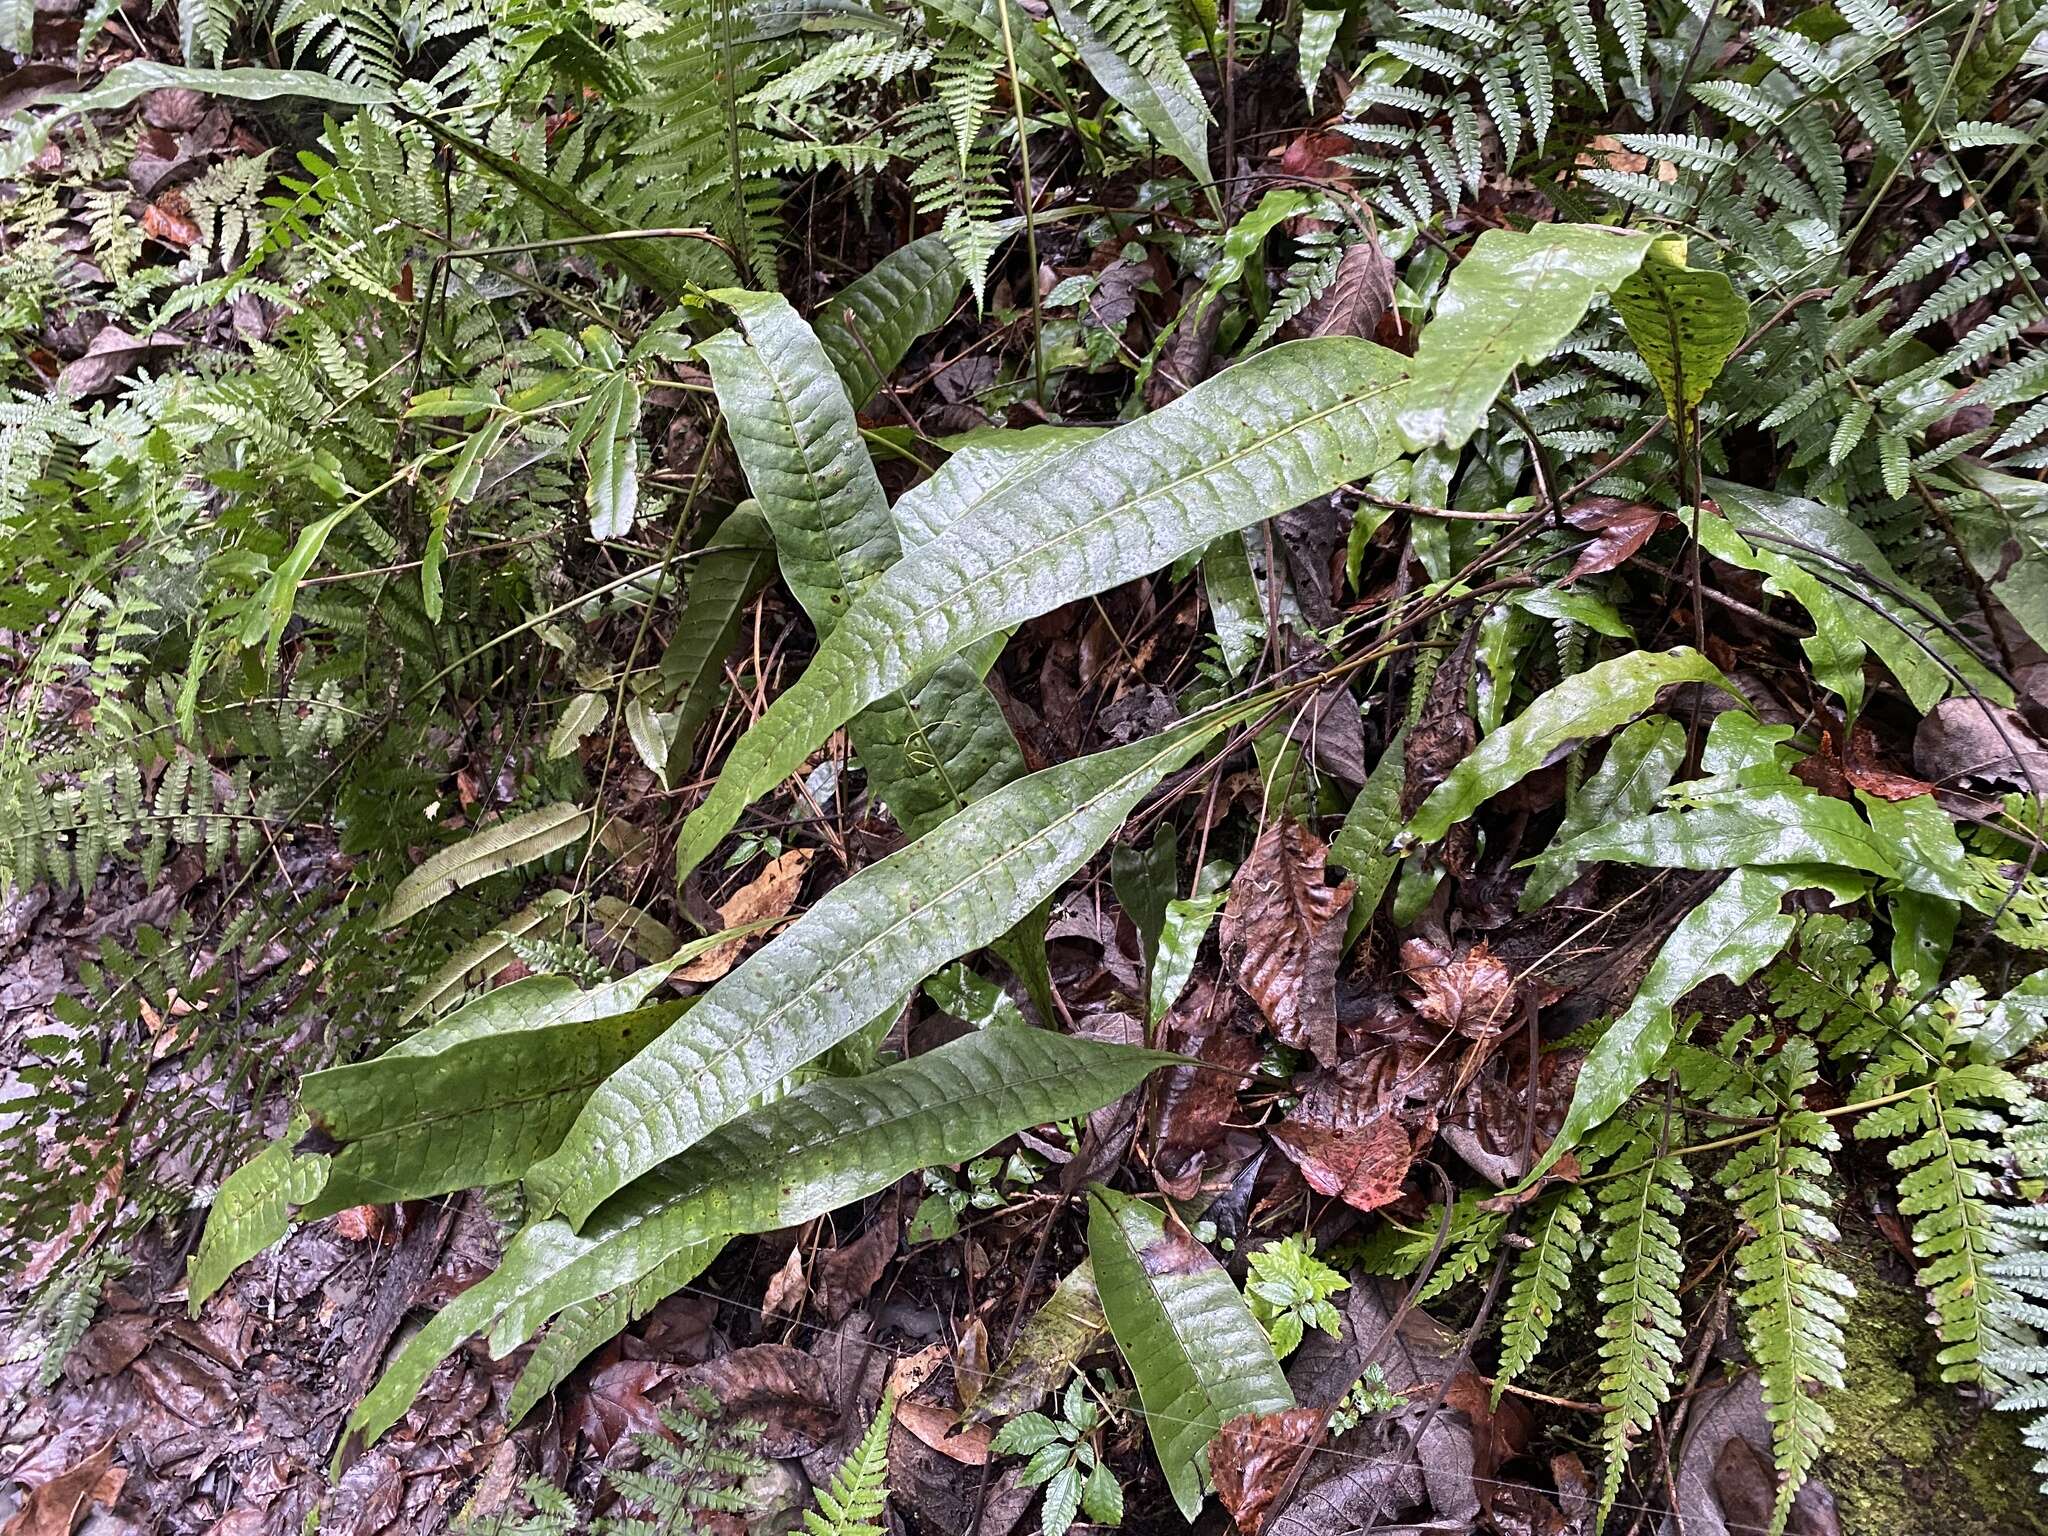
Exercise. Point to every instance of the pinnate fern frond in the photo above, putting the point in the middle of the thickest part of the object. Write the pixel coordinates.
(853, 1503)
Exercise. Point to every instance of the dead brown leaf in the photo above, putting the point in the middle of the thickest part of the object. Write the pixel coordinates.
(1347, 1141)
(1471, 991)
(937, 1428)
(54, 1508)
(1257, 1459)
(166, 220)
(1360, 293)
(112, 354)
(1283, 935)
(785, 1389)
(1619, 529)
(786, 1288)
(770, 894)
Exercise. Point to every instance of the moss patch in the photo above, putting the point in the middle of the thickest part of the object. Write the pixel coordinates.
(1911, 1454)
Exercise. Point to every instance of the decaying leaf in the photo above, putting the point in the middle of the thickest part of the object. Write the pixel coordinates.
(770, 894)
(1257, 1459)
(1346, 1136)
(1470, 990)
(1619, 529)
(1283, 934)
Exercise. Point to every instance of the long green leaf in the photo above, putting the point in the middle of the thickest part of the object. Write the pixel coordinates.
(1685, 321)
(1267, 435)
(1637, 769)
(613, 454)
(1743, 827)
(793, 429)
(727, 575)
(927, 754)
(127, 82)
(1179, 122)
(1835, 648)
(868, 327)
(830, 1142)
(1733, 934)
(251, 1210)
(592, 1324)
(482, 1111)
(1885, 611)
(1589, 704)
(502, 846)
(1508, 303)
(475, 962)
(648, 260)
(872, 939)
(1200, 1357)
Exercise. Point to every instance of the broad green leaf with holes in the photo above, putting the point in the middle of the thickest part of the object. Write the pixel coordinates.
(1200, 1357)
(502, 846)
(1509, 303)
(1267, 435)
(1888, 613)
(1638, 767)
(252, 1210)
(929, 752)
(868, 327)
(1685, 321)
(1591, 703)
(871, 939)
(827, 1143)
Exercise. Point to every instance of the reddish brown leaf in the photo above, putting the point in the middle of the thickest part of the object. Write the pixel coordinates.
(1361, 1159)
(1471, 991)
(842, 1277)
(615, 1406)
(1195, 1105)
(1864, 768)
(1619, 529)
(164, 220)
(359, 1224)
(1361, 292)
(1256, 1460)
(1283, 934)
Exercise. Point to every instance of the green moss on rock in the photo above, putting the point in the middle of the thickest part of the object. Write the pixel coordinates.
(1912, 1455)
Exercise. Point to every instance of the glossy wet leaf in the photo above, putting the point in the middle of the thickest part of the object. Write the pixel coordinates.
(1638, 767)
(612, 454)
(1733, 934)
(1178, 120)
(825, 1144)
(1199, 1356)
(1267, 435)
(735, 564)
(928, 751)
(869, 326)
(252, 1210)
(1740, 828)
(871, 939)
(1887, 612)
(1836, 646)
(1508, 303)
(1589, 704)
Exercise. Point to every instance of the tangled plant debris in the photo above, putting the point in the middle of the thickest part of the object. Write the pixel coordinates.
(960, 766)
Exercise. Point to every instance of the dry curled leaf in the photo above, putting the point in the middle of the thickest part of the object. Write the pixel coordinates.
(1471, 991)
(53, 1508)
(1283, 935)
